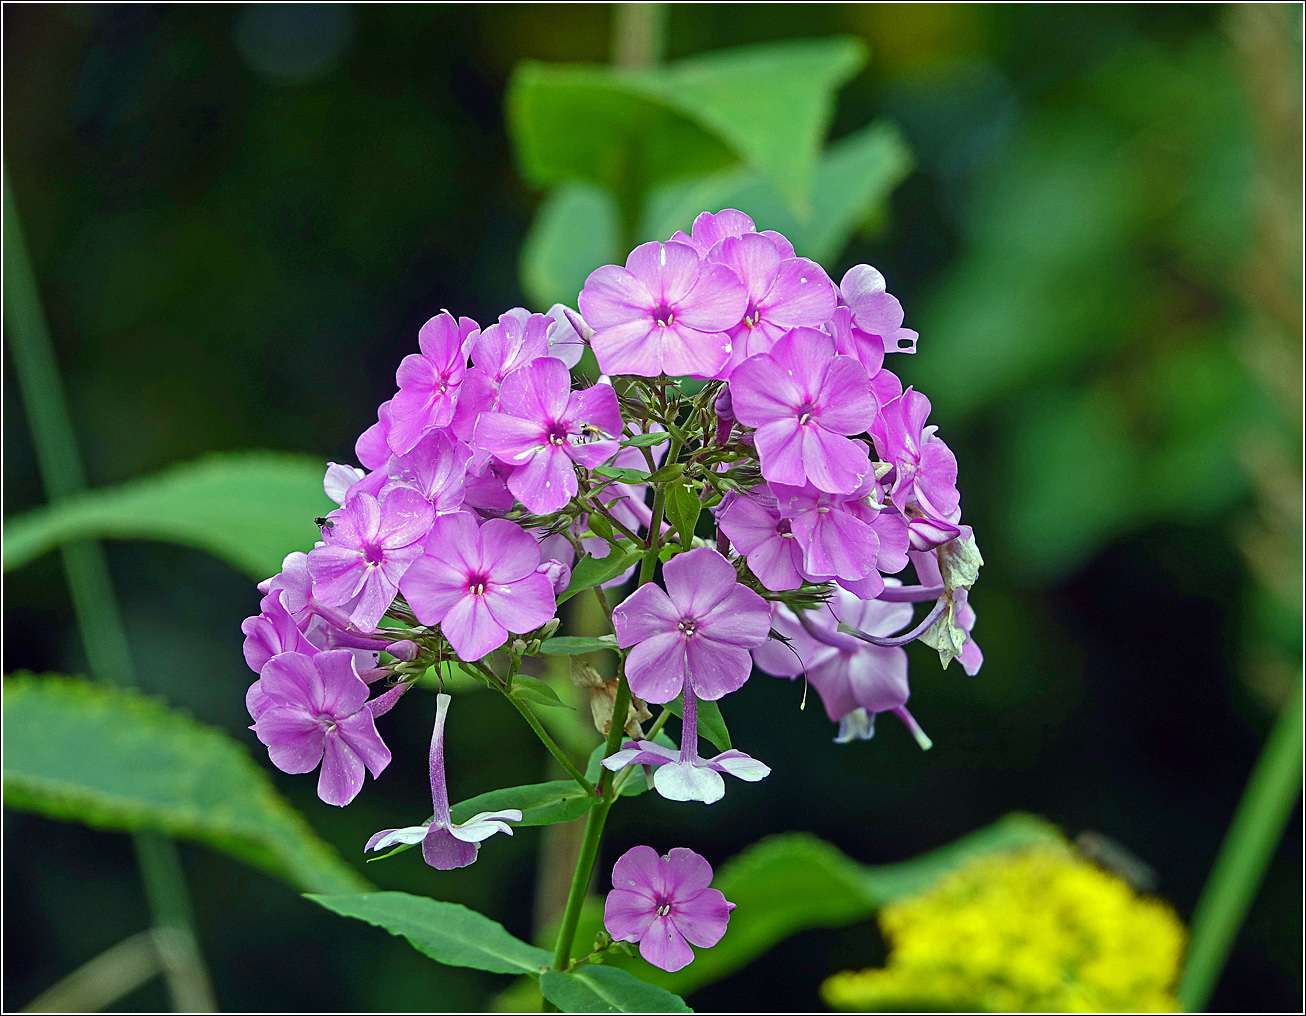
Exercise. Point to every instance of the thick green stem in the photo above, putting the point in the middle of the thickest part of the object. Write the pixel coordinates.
(1257, 827)
(552, 745)
(580, 880)
(90, 586)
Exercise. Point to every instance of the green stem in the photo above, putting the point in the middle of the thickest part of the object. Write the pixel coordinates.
(90, 585)
(552, 745)
(580, 880)
(655, 523)
(1248, 847)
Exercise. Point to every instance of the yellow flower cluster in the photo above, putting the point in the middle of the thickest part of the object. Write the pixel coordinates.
(1037, 930)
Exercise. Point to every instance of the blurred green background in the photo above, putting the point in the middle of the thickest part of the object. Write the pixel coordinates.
(240, 216)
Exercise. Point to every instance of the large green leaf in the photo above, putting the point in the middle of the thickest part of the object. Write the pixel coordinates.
(606, 989)
(853, 180)
(767, 107)
(575, 231)
(540, 803)
(449, 933)
(249, 508)
(113, 759)
(794, 881)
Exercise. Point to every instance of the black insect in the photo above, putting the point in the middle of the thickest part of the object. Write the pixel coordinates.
(324, 523)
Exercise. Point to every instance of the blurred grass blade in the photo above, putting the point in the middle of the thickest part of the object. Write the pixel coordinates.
(1258, 824)
(248, 508)
(448, 933)
(114, 759)
(606, 989)
(102, 981)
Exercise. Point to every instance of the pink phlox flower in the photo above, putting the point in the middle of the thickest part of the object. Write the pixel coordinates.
(929, 574)
(783, 293)
(446, 844)
(373, 445)
(876, 314)
(836, 541)
(518, 338)
(271, 632)
(855, 680)
(711, 228)
(428, 382)
(804, 400)
(866, 350)
(436, 468)
(316, 713)
(486, 490)
(757, 530)
(370, 545)
(682, 774)
(545, 428)
(924, 468)
(478, 582)
(666, 312)
(568, 334)
(701, 627)
(664, 904)
(339, 479)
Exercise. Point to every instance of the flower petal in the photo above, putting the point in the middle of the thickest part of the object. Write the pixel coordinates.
(393, 837)
(655, 667)
(716, 669)
(686, 873)
(627, 915)
(444, 851)
(471, 629)
(703, 919)
(646, 612)
(682, 781)
(523, 605)
(664, 946)
(639, 870)
(342, 772)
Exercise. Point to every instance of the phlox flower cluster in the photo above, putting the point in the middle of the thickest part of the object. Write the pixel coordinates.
(710, 441)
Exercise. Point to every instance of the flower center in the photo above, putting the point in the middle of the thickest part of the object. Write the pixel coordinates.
(557, 434)
(805, 412)
(752, 316)
(687, 626)
(784, 530)
(663, 315)
(664, 908)
(373, 554)
(476, 584)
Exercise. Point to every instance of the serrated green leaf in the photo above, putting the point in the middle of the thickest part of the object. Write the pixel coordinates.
(711, 724)
(574, 232)
(575, 645)
(606, 989)
(594, 571)
(854, 179)
(532, 689)
(449, 933)
(250, 509)
(113, 759)
(649, 440)
(683, 507)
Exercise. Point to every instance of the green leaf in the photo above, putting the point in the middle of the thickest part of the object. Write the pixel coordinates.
(594, 571)
(571, 122)
(250, 508)
(855, 177)
(574, 232)
(793, 882)
(540, 803)
(532, 689)
(683, 507)
(623, 474)
(671, 471)
(449, 933)
(606, 989)
(649, 440)
(576, 645)
(711, 724)
(113, 759)
(771, 103)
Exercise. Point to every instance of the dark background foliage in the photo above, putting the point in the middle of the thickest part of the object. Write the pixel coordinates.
(241, 215)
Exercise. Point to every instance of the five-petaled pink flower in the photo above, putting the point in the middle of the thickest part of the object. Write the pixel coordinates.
(666, 312)
(478, 583)
(428, 383)
(804, 401)
(665, 904)
(699, 630)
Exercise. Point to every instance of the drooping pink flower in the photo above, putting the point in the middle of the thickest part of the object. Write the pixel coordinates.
(666, 312)
(545, 428)
(428, 383)
(271, 632)
(876, 314)
(665, 904)
(370, 544)
(924, 468)
(757, 530)
(804, 401)
(446, 844)
(783, 293)
(701, 628)
(315, 711)
(855, 680)
(478, 583)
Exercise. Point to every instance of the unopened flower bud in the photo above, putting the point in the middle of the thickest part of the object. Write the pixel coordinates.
(724, 406)
(549, 627)
(405, 650)
(558, 574)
